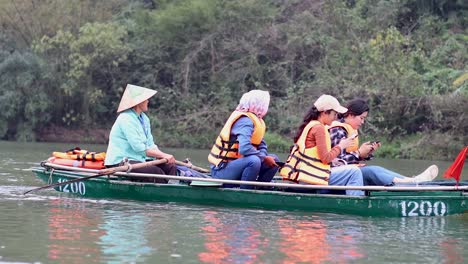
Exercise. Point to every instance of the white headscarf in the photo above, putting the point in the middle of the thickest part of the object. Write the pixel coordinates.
(255, 101)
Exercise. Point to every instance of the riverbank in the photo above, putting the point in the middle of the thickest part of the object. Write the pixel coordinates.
(68, 135)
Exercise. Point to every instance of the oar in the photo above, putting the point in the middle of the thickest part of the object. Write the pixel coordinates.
(103, 172)
(191, 166)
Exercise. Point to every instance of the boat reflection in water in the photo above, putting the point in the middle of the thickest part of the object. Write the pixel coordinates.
(304, 241)
(70, 228)
(231, 238)
(80, 234)
(451, 249)
(310, 241)
(89, 232)
(238, 238)
(124, 239)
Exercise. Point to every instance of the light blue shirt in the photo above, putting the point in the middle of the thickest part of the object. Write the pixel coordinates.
(129, 138)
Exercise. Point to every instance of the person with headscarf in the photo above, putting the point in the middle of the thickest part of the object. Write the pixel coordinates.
(348, 124)
(240, 152)
(130, 138)
(310, 157)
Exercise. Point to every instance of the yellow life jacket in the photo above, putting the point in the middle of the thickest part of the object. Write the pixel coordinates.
(225, 150)
(351, 131)
(80, 154)
(304, 164)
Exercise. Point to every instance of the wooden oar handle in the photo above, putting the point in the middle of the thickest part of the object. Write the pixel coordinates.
(104, 172)
(191, 166)
(132, 166)
(147, 164)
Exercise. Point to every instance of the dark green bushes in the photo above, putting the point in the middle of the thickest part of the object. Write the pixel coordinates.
(406, 57)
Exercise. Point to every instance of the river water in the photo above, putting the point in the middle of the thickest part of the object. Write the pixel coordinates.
(51, 227)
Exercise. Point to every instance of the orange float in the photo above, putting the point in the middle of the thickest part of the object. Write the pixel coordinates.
(88, 164)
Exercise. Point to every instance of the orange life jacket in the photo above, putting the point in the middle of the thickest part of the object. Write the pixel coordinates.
(80, 154)
(88, 164)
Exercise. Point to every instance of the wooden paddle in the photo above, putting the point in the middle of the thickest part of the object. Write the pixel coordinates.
(104, 172)
(191, 166)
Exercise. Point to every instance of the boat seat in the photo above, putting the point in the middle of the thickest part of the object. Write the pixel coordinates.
(205, 184)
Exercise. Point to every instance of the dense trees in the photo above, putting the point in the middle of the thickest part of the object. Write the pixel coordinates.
(65, 63)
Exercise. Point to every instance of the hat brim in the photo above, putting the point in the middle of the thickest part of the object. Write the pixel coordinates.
(129, 101)
(340, 109)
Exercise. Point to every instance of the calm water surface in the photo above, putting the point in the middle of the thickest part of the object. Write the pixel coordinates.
(49, 227)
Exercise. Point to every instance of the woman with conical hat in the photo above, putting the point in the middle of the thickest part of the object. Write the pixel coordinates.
(130, 137)
(240, 152)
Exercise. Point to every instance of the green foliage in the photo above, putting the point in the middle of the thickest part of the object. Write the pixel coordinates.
(277, 143)
(24, 105)
(94, 52)
(181, 18)
(407, 58)
(27, 21)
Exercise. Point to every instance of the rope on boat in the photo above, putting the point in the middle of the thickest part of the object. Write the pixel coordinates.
(49, 181)
(272, 184)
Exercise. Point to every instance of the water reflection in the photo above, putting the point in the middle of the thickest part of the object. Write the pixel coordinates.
(79, 234)
(425, 239)
(70, 230)
(312, 241)
(451, 249)
(304, 241)
(124, 232)
(231, 238)
(124, 238)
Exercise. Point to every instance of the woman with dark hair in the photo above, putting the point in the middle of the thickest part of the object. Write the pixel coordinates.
(349, 123)
(311, 155)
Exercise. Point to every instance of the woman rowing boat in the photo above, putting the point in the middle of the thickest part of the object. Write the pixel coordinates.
(131, 139)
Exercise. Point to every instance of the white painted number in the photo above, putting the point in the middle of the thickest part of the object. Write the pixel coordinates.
(423, 208)
(440, 208)
(74, 187)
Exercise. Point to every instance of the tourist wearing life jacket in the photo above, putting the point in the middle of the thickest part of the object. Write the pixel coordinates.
(310, 157)
(130, 137)
(349, 123)
(240, 152)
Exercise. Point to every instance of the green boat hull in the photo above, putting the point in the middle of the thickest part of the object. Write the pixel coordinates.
(376, 203)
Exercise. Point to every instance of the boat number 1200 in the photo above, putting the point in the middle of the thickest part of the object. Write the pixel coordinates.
(423, 208)
(74, 187)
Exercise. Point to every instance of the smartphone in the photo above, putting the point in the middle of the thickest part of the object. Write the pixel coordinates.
(375, 142)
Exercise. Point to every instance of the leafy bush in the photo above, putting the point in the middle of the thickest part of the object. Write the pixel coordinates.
(24, 101)
(407, 58)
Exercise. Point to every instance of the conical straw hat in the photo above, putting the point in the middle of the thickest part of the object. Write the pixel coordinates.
(134, 95)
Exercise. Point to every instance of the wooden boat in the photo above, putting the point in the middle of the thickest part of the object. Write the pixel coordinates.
(435, 199)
